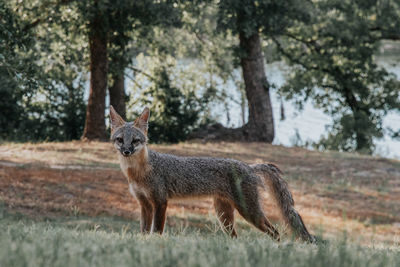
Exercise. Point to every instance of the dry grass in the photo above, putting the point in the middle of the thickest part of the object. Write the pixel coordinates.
(333, 191)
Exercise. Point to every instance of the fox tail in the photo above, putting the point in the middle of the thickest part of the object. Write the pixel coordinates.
(280, 191)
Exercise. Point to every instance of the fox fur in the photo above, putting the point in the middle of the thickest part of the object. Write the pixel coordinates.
(154, 178)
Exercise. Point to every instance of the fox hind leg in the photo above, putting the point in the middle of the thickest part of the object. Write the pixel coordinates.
(264, 225)
(256, 217)
(248, 205)
(225, 213)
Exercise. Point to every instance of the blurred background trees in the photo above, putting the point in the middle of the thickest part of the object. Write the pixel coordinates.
(42, 73)
(333, 63)
(63, 61)
(108, 26)
(249, 19)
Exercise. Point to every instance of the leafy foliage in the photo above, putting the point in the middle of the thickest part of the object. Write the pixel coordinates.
(131, 25)
(330, 44)
(43, 85)
(176, 109)
(16, 73)
(334, 65)
(270, 17)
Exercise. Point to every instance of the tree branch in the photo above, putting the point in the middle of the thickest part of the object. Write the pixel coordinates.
(292, 59)
(37, 21)
(32, 25)
(313, 45)
(134, 81)
(386, 35)
(141, 72)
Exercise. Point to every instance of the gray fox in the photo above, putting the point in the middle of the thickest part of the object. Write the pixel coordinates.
(154, 178)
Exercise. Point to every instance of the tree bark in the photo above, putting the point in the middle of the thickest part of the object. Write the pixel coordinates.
(363, 142)
(260, 126)
(117, 94)
(95, 128)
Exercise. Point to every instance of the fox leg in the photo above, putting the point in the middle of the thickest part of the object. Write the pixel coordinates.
(225, 213)
(146, 214)
(160, 209)
(264, 225)
(256, 217)
(248, 205)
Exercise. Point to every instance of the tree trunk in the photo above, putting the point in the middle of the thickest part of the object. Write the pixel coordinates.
(95, 128)
(363, 136)
(360, 115)
(117, 94)
(260, 126)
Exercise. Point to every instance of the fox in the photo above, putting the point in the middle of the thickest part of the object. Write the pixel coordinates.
(155, 178)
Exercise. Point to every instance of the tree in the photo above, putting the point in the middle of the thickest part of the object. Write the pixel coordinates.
(175, 110)
(109, 28)
(42, 83)
(131, 22)
(111, 21)
(249, 19)
(14, 70)
(333, 63)
(122, 26)
(95, 14)
(117, 88)
(87, 18)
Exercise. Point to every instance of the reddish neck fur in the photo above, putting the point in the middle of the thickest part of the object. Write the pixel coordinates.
(136, 166)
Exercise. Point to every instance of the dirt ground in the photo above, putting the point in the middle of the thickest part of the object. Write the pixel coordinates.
(334, 191)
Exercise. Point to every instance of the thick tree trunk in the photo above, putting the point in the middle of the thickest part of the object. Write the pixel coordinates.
(95, 128)
(117, 94)
(363, 141)
(260, 126)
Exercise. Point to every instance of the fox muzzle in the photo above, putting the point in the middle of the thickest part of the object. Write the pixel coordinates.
(126, 152)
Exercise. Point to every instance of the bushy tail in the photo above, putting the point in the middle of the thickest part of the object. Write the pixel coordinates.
(280, 191)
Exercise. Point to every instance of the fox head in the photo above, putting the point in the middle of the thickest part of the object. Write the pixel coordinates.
(129, 138)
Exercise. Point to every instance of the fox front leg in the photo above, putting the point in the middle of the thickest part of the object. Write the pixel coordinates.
(160, 209)
(146, 214)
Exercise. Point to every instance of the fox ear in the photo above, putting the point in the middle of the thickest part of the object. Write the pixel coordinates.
(115, 119)
(143, 121)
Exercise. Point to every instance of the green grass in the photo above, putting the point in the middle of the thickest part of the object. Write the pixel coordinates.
(108, 241)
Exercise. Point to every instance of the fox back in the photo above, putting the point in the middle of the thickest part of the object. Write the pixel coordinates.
(199, 176)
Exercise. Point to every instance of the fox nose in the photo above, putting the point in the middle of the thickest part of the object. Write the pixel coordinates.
(126, 152)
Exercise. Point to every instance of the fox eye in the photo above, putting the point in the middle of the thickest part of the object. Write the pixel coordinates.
(119, 140)
(136, 140)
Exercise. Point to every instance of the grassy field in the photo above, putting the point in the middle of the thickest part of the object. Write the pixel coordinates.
(108, 241)
(67, 204)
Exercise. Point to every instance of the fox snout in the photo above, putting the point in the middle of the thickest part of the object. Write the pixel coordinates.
(127, 151)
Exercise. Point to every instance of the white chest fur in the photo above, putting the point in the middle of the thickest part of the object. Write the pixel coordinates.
(136, 190)
(132, 190)
(125, 163)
